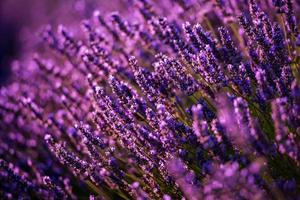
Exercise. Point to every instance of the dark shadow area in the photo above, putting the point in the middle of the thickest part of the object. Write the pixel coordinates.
(8, 48)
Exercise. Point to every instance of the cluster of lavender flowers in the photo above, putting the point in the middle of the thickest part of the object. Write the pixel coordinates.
(180, 99)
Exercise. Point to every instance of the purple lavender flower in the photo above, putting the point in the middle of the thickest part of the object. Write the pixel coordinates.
(156, 100)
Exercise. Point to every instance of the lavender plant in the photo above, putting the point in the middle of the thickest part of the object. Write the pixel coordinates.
(172, 100)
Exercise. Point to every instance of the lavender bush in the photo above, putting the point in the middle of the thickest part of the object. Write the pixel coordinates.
(180, 99)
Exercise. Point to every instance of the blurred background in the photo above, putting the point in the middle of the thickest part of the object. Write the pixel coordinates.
(21, 20)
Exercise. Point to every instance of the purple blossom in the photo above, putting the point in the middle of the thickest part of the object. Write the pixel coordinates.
(156, 100)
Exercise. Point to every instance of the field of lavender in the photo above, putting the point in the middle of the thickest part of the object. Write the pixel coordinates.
(169, 99)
